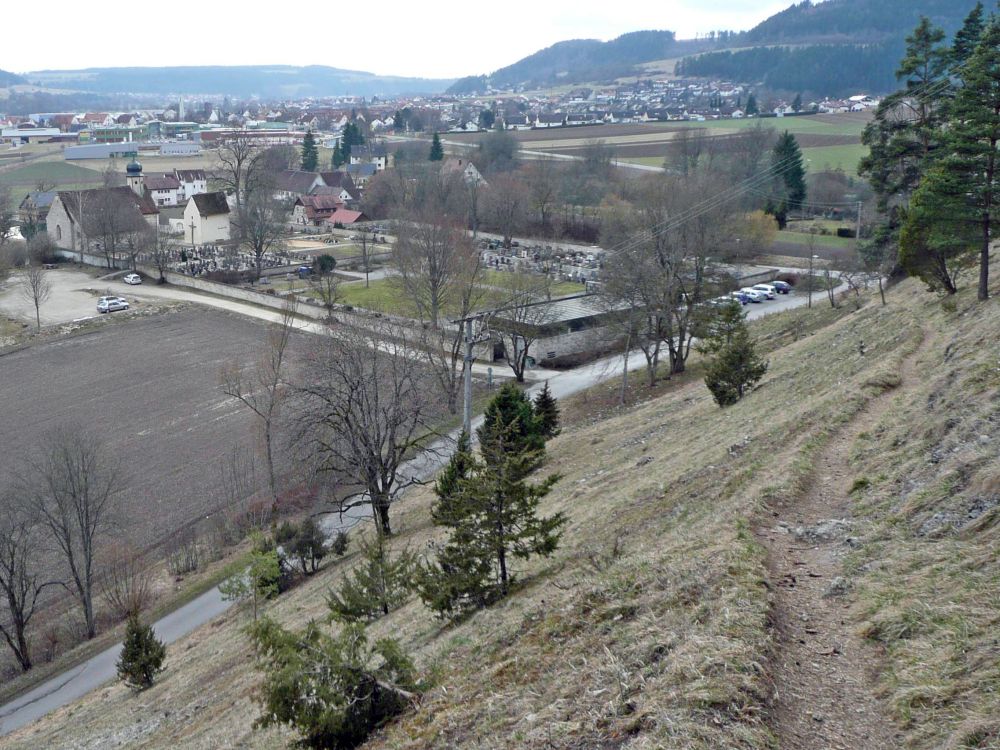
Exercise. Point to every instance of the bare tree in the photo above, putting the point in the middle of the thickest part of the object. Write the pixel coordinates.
(522, 314)
(161, 250)
(260, 226)
(36, 289)
(434, 258)
(7, 222)
(126, 581)
(364, 407)
(73, 486)
(543, 189)
(263, 388)
(325, 283)
(239, 156)
(20, 581)
(505, 206)
(111, 217)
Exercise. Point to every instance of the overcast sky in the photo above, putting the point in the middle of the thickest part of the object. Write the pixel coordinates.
(443, 39)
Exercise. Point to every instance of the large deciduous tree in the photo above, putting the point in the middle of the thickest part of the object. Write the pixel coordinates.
(364, 407)
(73, 485)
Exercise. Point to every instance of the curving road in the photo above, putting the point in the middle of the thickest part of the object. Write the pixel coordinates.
(97, 670)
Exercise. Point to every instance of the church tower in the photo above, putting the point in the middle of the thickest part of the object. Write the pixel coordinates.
(133, 177)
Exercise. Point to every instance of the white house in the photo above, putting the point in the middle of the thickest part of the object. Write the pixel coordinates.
(206, 219)
(193, 182)
(165, 190)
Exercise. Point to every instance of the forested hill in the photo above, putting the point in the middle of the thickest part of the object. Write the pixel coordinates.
(582, 60)
(842, 47)
(855, 21)
(9, 79)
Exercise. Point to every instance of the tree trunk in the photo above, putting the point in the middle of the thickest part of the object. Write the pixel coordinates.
(881, 289)
(380, 507)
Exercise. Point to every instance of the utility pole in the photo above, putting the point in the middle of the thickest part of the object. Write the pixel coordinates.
(471, 338)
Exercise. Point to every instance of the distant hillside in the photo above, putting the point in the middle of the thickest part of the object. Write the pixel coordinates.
(9, 79)
(264, 81)
(853, 45)
(855, 21)
(582, 60)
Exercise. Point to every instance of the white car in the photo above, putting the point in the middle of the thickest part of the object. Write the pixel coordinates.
(769, 291)
(110, 304)
(132, 278)
(755, 295)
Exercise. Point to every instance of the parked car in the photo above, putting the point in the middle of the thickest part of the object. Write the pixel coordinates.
(740, 297)
(110, 304)
(769, 291)
(132, 278)
(783, 287)
(754, 295)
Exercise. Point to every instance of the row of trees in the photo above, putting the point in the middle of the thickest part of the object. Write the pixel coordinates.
(933, 155)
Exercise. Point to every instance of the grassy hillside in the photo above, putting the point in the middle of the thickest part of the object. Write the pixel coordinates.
(652, 625)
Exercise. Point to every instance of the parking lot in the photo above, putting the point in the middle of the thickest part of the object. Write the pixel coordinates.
(149, 389)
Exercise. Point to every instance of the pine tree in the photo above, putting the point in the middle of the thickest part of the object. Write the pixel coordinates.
(797, 103)
(510, 424)
(337, 158)
(310, 153)
(752, 105)
(380, 583)
(786, 160)
(490, 510)
(720, 330)
(736, 368)
(972, 140)
(142, 655)
(334, 691)
(547, 412)
(967, 37)
(437, 150)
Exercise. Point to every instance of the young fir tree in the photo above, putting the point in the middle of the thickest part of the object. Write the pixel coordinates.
(786, 160)
(380, 583)
(547, 412)
(720, 330)
(333, 690)
(736, 367)
(511, 417)
(491, 512)
(259, 581)
(337, 158)
(310, 153)
(437, 150)
(142, 655)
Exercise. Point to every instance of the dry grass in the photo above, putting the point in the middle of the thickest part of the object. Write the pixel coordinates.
(649, 627)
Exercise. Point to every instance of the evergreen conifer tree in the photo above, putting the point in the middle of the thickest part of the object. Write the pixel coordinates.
(547, 412)
(736, 367)
(786, 160)
(437, 150)
(142, 655)
(490, 510)
(510, 424)
(310, 153)
(380, 583)
(752, 108)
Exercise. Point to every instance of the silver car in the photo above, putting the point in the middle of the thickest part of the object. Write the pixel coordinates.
(110, 304)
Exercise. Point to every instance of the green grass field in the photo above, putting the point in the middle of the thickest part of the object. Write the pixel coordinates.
(827, 158)
(58, 172)
(847, 124)
(817, 159)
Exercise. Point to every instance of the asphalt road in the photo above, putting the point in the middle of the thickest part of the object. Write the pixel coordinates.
(73, 684)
